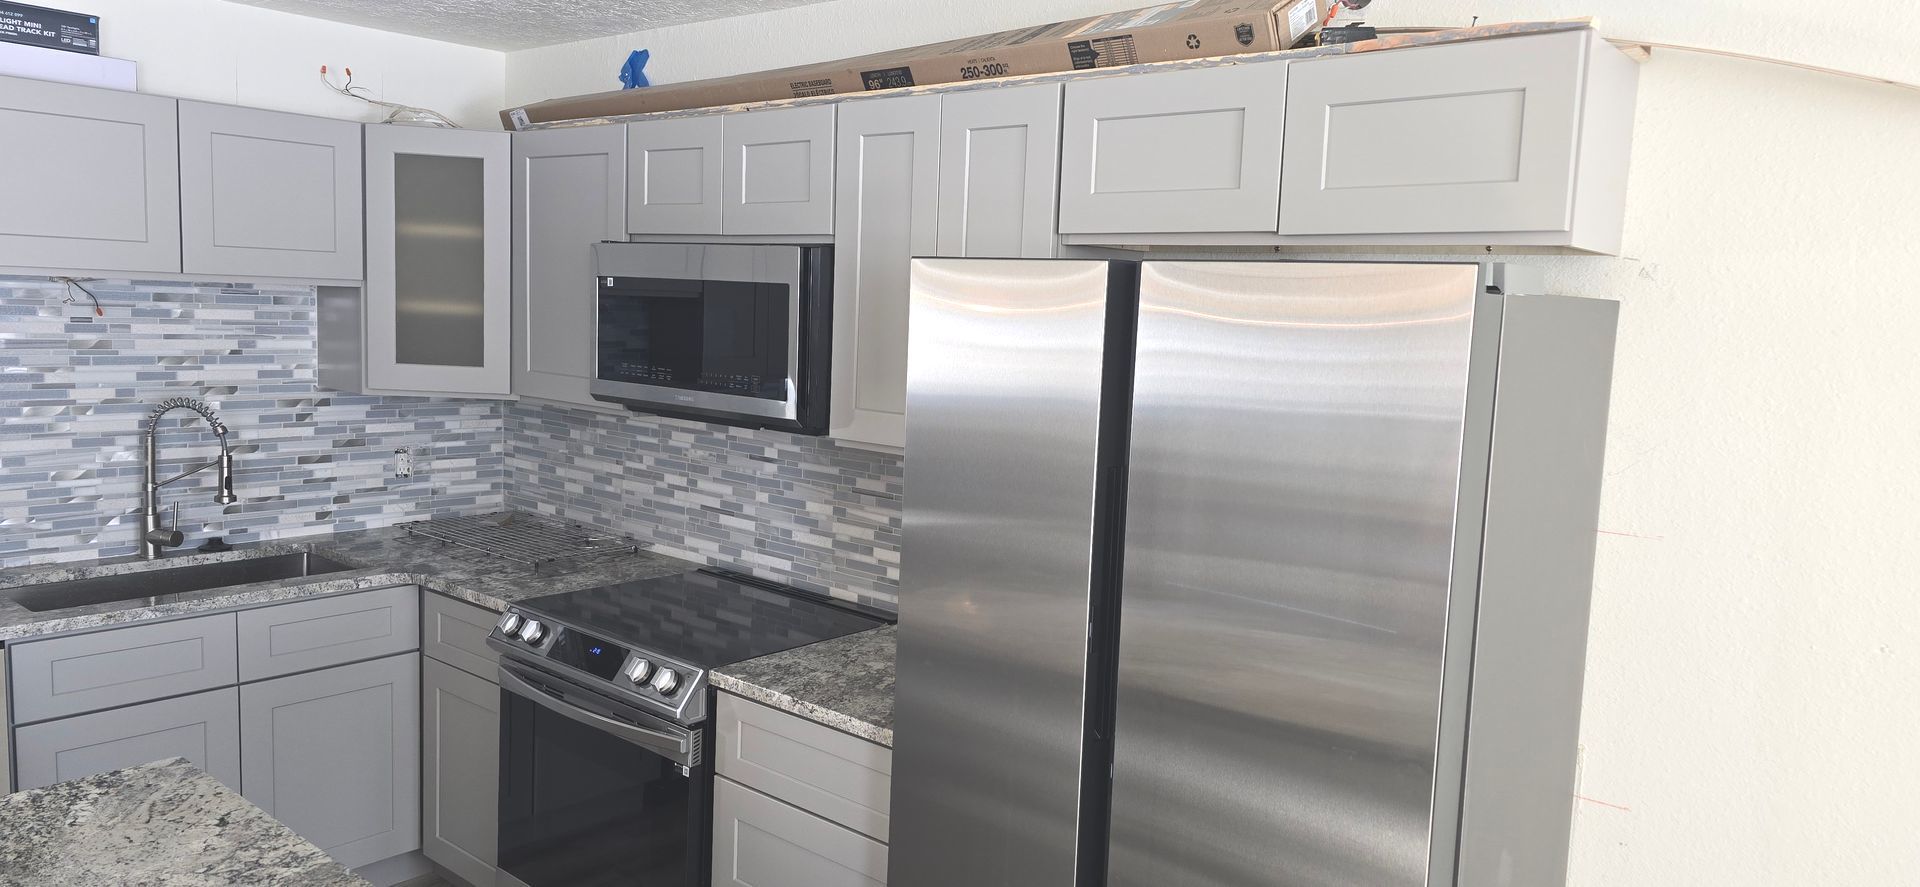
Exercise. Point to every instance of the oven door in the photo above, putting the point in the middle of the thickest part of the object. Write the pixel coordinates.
(718, 332)
(594, 793)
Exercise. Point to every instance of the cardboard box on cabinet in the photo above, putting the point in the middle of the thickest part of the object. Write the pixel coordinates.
(1169, 32)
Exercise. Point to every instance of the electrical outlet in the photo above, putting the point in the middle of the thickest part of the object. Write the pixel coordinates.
(403, 462)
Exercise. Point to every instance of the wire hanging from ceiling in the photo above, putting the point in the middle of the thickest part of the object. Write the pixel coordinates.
(396, 112)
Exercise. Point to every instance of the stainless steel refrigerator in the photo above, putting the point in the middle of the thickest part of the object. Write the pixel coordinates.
(1236, 573)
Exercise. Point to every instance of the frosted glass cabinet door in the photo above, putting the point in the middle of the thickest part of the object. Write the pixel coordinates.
(887, 193)
(92, 178)
(438, 313)
(264, 193)
(999, 172)
(1181, 151)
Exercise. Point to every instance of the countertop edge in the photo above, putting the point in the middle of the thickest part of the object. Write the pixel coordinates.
(818, 714)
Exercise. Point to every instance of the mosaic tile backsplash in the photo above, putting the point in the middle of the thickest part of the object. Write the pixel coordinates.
(801, 510)
(74, 389)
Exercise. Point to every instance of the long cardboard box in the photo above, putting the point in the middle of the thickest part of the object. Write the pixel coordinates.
(1168, 32)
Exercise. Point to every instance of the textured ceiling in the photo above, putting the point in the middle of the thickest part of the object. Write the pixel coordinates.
(519, 25)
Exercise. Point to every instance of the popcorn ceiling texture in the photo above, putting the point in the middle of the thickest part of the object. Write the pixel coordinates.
(520, 25)
(75, 387)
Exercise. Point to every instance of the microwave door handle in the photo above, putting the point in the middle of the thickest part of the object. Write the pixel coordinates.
(667, 744)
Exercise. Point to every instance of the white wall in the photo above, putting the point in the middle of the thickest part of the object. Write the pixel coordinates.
(227, 52)
(1755, 659)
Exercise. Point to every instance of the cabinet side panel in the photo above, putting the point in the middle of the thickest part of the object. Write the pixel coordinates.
(1543, 501)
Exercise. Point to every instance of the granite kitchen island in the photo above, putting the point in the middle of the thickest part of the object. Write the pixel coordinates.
(165, 824)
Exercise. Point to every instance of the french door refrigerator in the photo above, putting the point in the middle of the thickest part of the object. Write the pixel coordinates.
(1236, 573)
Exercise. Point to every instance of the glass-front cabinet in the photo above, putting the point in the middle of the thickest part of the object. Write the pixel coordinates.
(435, 313)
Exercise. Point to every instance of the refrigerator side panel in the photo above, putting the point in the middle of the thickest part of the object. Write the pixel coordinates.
(1536, 583)
(1005, 371)
(1291, 507)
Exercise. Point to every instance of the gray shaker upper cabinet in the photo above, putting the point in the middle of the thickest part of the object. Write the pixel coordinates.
(673, 175)
(777, 176)
(887, 191)
(1520, 140)
(999, 172)
(569, 192)
(93, 179)
(264, 193)
(1188, 151)
(438, 313)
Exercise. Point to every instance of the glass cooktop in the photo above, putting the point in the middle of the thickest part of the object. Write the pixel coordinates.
(707, 619)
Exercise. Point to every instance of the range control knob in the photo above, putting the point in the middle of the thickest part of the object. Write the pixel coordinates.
(639, 671)
(532, 632)
(509, 624)
(666, 682)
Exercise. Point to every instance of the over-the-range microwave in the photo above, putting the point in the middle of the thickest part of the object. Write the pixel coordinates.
(738, 334)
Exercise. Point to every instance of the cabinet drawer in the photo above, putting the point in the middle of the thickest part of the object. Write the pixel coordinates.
(1183, 151)
(761, 842)
(328, 631)
(1496, 124)
(456, 633)
(820, 769)
(121, 666)
(203, 728)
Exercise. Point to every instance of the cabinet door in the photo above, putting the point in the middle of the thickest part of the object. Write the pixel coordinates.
(999, 165)
(569, 192)
(203, 728)
(438, 312)
(1194, 150)
(811, 766)
(887, 193)
(335, 755)
(1494, 123)
(673, 176)
(266, 193)
(460, 771)
(778, 174)
(6, 735)
(93, 178)
(761, 842)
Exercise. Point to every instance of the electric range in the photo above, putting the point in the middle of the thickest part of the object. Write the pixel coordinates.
(604, 718)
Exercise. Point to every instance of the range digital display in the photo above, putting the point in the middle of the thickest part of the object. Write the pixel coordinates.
(589, 654)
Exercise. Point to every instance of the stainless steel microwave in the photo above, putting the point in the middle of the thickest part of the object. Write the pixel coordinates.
(737, 334)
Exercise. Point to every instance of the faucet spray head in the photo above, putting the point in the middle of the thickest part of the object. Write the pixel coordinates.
(225, 496)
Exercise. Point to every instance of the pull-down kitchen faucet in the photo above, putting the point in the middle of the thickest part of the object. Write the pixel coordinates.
(153, 539)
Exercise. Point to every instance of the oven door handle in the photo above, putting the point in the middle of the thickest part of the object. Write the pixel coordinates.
(678, 747)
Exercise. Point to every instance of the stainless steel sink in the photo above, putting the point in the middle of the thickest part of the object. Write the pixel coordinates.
(163, 581)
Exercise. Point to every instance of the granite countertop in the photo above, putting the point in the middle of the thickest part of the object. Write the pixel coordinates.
(384, 557)
(845, 683)
(165, 824)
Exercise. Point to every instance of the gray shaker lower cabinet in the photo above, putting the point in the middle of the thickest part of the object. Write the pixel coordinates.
(460, 771)
(6, 751)
(335, 755)
(203, 728)
(762, 842)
